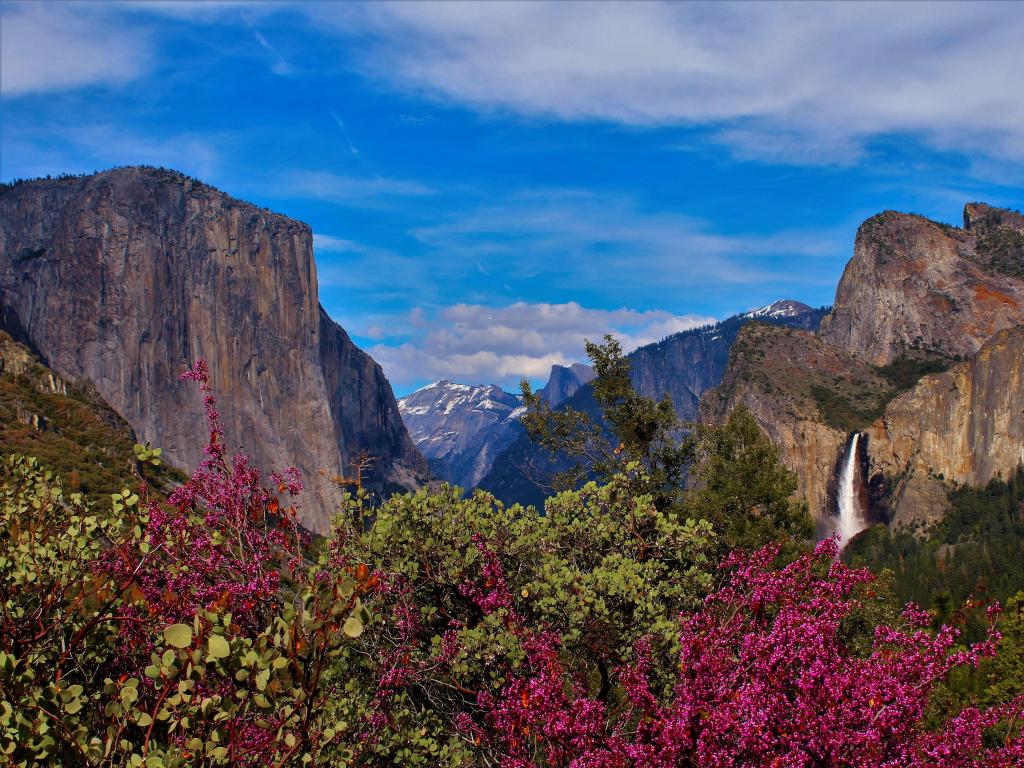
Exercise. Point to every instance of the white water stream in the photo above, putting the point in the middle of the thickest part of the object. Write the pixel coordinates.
(851, 517)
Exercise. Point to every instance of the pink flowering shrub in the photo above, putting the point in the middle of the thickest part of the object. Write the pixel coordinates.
(191, 631)
(598, 568)
(220, 541)
(764, 679)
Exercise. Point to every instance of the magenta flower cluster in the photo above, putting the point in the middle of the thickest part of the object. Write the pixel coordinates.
(218, 541)
(765, 678)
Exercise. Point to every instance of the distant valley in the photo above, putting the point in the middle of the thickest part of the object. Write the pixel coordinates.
(920, 354)
(683, 365)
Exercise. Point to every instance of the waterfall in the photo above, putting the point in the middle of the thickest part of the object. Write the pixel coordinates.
(851, 517)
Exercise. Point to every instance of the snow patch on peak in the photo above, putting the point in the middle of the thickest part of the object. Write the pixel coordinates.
(783, 308)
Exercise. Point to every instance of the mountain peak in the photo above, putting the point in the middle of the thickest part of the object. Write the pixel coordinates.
(917, 283)
(564, 381)
(460, 428)
(781, 308)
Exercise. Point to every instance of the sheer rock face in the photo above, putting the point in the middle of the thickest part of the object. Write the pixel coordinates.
(966, 424)
(912, 281)
(564, 382)
(365, 414)
(123, 278)
(773, 371)
(461, 428)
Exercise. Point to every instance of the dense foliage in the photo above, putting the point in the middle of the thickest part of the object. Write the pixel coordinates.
(601, 569)
(975, 551)
(764, 678)
(159, 633)
(206, 628)
(729, 475)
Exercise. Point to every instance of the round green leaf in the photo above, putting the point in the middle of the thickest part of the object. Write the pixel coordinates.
(219, 648)
(178, 635)
(352, 627)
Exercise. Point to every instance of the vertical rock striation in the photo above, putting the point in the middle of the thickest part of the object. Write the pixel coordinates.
(965, 425)
(800, 390)
(121, 279)
(564, 381)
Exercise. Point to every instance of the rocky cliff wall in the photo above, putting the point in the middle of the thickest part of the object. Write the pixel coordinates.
(797, 388)
(564, 381)
(915, 282)
(121, 279)
(965, 425)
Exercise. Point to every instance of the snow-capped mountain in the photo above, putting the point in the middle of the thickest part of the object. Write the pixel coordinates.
(460, 428)
(780, 309)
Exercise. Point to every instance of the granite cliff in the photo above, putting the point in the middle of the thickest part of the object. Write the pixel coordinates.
(913, 282)
(69, 429)
(564, 381)
(120, 279)
(965, 425)
(806, 395)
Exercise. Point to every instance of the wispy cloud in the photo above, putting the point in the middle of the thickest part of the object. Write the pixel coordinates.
(350, 190)
(607, 242)
(280, 66)
(475, 343)
(802, 83)
(523, 248)
(344, 132)
(48, 46)
(601, 249)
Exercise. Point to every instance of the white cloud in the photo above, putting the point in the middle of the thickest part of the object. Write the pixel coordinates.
(58, 46)
(472, 343)
(791, 82)
(332, 244)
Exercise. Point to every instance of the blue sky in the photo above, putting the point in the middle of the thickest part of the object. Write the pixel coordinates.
(489, 184)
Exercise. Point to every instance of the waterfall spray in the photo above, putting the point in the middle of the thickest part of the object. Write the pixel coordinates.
(851, 518)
